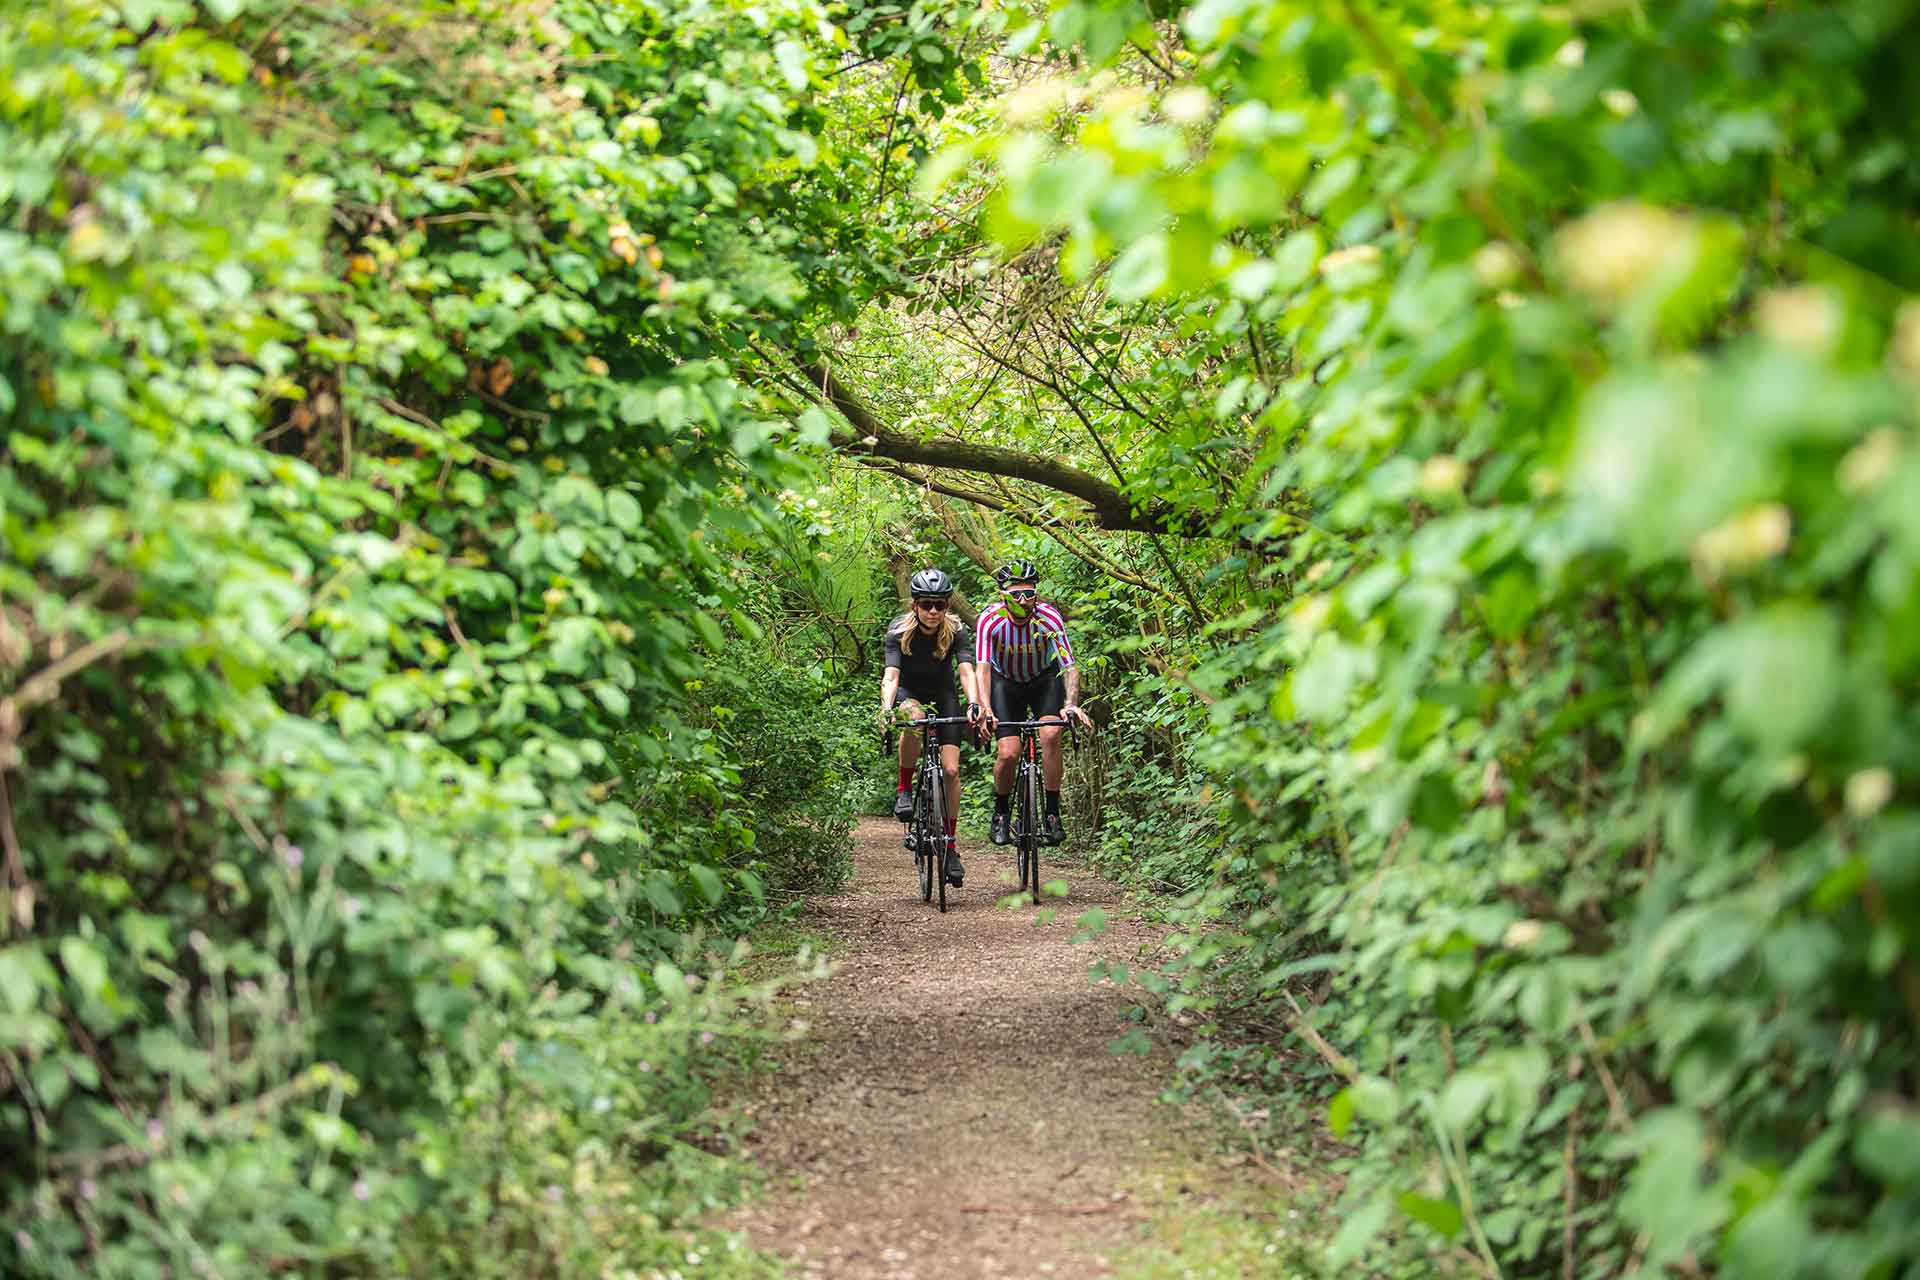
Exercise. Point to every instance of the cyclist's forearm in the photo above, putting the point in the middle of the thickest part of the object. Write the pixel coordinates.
(969, 682)
(1073, 686)
(889, 686)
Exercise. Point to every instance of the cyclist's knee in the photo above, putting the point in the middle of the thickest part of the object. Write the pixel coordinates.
(1050, 736)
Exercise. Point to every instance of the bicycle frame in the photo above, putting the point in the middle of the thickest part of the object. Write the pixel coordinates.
(927, 833)
(1027, 782)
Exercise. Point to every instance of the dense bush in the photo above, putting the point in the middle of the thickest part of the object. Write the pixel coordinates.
(363, 472)
(1564, 366)
(785, 752)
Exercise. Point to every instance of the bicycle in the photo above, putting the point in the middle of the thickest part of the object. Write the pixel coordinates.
(927, 831)
(1027, 782)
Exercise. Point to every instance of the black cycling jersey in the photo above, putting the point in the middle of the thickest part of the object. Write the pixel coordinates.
(929, 680)
(920, 671)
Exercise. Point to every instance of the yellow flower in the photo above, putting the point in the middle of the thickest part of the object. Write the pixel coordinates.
(1869, 463)
(1746, 539)
(1806, 318)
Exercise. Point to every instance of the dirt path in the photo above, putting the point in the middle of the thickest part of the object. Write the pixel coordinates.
(956, 1111)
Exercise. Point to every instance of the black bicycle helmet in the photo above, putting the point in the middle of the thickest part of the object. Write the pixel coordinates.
(1017, 571)
(930, 582)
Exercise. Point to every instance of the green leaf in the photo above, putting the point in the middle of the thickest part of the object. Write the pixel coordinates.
(24, 975)
(1140, 270)
(708, 881)
(1511, 604)
(1091, 924)
(1358, 1231)
(1667, 1193)
(85, 965)
(623, 510)
(660, 894)
(792, 61)
(1294, 261)
(1888, 1145)
(1779, 1228)
(1442, 1215)
(668, 978)
(709, 629)
(1340, 1112)
(616, 702)
(1465, 1095)
(671, 407)
(1375, 1100)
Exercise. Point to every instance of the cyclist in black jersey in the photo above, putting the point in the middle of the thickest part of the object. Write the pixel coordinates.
(925, 647)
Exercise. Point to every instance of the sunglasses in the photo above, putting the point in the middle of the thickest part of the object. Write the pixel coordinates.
(931, 606)
(1022, 593)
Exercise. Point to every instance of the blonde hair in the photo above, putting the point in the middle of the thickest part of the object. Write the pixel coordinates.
(907, 628)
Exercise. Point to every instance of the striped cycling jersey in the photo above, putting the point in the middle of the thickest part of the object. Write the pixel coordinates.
(1023, 648)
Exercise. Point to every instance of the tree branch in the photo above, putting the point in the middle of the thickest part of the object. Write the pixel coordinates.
(1112, 509)
(957, 532)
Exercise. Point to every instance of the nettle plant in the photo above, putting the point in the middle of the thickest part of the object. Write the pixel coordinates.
(1575, 356)
(362, 448)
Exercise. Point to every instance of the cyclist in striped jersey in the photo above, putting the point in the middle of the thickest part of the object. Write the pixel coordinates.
(1025, 667)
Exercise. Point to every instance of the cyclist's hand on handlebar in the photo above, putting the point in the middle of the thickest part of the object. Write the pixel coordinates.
(1071, 713)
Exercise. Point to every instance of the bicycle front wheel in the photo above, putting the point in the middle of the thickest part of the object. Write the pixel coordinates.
(931, 829)
(923, 863)
(937, 829)
(923, 850)
(1030, 832)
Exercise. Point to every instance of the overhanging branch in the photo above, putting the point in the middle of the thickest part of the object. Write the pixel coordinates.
(1110, 507)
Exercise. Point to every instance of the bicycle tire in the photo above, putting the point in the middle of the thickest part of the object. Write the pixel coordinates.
(1028, 837)
(1020, 850)
(1033, 832)
(937, 791)
(922, 845)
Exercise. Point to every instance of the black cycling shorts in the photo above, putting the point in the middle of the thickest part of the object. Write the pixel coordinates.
(940, 702)
(1027, 700)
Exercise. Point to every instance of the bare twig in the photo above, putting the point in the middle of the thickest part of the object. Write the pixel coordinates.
(1334, 1058)
(420, 419)
(44, 684)
(513, 410)
(1617, 1114)
(1044, 1210)
(1569, 1198)
(20, 894)
(886, 148)
(1457, 1174)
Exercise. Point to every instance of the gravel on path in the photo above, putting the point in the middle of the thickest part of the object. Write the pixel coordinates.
(956, 1110)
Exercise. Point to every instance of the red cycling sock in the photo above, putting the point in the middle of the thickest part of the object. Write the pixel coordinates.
(953, 824)
(905, 773)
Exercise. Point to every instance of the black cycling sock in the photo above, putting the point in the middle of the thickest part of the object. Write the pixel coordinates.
(1053, 802)
(1002, 801)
